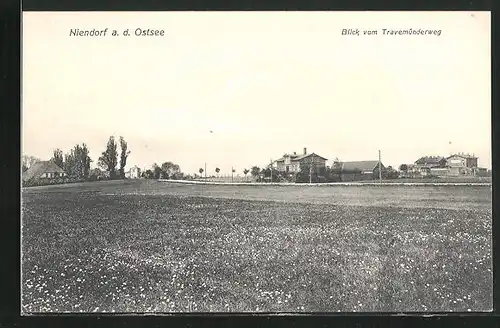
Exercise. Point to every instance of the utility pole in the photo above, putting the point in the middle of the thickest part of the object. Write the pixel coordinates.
(311, 168)
(232, 170)
(205, 171)
(379, 167)
(271, 166)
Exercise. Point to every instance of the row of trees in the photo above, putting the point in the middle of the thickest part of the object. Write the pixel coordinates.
(76, 163)
(108, 160)
(167, 170)
(112, 161)
(217, 171)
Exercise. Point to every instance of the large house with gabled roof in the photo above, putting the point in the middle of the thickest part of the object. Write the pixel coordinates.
(290, 163)
(431, 162)
(462, 164)
(43, 171)
(429, 165)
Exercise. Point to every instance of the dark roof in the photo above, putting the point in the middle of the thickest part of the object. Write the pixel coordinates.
(296, 157)
(307, 155)
(39, 168)
(429, 160)
(462, 155)
(292, 156)
(359, 166)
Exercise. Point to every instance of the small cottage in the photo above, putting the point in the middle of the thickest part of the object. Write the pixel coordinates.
(44, 171)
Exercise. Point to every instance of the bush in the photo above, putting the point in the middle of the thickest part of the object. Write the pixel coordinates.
(314, 178)
(54, 181)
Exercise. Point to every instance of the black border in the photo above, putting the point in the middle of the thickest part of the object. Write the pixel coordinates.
(9, 151)
(155, 5)
(10, 186)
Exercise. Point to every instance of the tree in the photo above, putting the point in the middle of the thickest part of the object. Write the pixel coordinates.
(68, 164)
(123, 157)
(28, 161)
(58, 157)
(109, 158)
(217, 170)
(335, 174)
(148, 174)
(245, 172)
(84, 158)
(95, 174)
(272, 175)
(201, 171)
(156, 171)
(255, 171)
(404, 168)
(391, 173)
(77, 162)
(170, 170)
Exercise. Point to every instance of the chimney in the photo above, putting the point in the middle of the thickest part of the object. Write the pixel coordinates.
(305, 151)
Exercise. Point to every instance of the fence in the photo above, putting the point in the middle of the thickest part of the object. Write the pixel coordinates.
(226, 178)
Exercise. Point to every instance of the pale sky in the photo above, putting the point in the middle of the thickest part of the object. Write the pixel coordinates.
(265, 83)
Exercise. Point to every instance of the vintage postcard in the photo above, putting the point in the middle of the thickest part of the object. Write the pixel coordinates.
(256, 162)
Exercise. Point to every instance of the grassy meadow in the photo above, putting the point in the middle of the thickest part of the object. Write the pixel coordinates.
(145, 246)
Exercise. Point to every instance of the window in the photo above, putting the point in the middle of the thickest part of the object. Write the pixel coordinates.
(287, 168)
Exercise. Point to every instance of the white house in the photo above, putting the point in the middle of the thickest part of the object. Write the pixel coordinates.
(462, 164)
(133, 173)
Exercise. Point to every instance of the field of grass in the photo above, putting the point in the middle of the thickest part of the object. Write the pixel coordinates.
(145, 246)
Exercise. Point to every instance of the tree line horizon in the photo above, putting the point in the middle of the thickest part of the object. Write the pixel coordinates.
(76, 164)
(112, 161)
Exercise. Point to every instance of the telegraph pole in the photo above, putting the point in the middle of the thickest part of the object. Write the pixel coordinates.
(379, 167)
(205, 171)
(271, 166)
(232, 170)
(311, 168)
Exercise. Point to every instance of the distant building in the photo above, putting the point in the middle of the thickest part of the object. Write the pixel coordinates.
(481, 172)
(462, 164)
(290, 163)
(431, 162)
(454, 165)
(44, 171)
(133, 173)
(429, 165)
(360, 170)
